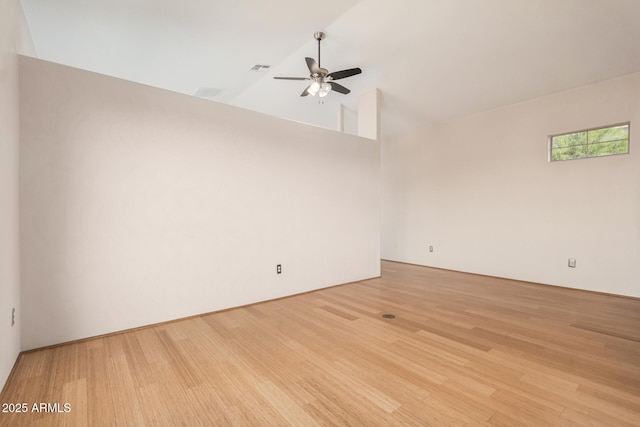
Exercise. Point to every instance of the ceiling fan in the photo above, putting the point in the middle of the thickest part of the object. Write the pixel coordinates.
(321, 80)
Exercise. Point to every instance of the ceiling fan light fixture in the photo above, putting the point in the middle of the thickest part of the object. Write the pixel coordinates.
(325, 88)
(314, 88)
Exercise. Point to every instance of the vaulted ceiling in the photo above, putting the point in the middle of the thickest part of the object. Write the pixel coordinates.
(432, 60)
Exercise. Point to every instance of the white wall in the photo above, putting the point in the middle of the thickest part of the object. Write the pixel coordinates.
(369, 114)
(14, 38)
(140, 205)
(9, 136)
(481, 191)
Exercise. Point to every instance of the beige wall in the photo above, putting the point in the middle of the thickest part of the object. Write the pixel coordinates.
(14, 38)
(140, 205)
(481, 191)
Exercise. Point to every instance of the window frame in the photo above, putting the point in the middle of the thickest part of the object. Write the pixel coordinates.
(586, 130)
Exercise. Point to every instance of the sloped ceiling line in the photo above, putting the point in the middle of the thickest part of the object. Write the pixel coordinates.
(432, 60)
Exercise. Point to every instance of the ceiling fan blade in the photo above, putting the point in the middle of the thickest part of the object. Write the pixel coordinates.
(339, 88)
(313, 65)
(291, 78)
(336, 75)
(306, 91)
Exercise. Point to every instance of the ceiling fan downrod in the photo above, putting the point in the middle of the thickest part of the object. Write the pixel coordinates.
(318, 35)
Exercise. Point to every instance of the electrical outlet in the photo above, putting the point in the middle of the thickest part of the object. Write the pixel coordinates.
(279, 268)
(13, 316)
(430, 248)
(572, 263)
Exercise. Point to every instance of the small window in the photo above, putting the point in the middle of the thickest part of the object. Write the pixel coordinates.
(596, 142)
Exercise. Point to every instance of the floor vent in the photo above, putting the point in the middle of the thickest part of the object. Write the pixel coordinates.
(389, 316)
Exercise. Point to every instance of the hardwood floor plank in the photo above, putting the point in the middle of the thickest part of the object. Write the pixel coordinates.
(628, 335)
(462, 350)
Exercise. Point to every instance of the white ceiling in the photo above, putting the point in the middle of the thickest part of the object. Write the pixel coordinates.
(432, 60)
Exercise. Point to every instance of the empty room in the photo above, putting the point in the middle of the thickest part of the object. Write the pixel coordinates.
(350, 213)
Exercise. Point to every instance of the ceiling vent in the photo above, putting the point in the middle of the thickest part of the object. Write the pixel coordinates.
(259, 67)
(207, 92)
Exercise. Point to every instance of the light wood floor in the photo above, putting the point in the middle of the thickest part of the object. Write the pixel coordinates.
(462, 350)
